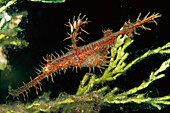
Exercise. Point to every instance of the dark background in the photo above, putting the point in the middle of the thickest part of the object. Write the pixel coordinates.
(44, 30)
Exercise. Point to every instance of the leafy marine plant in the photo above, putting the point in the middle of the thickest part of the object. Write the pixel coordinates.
(9, 27)
(48, 1)
(9, 30)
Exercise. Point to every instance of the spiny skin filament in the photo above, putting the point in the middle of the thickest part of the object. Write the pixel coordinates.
(90, 55)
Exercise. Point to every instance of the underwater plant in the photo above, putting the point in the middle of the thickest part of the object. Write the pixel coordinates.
(9, 30)
(48, 1)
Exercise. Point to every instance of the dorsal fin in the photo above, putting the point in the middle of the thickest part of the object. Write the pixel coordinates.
(76, 28)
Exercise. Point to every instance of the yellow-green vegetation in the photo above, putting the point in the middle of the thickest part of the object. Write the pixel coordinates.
(9, 27)
(117, 68)
(49, 1)
(9, 30)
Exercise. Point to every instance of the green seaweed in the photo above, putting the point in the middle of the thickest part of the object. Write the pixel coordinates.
(49, 1)
(9, 30)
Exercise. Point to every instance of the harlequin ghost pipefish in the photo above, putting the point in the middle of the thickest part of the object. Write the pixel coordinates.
(90, 55)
